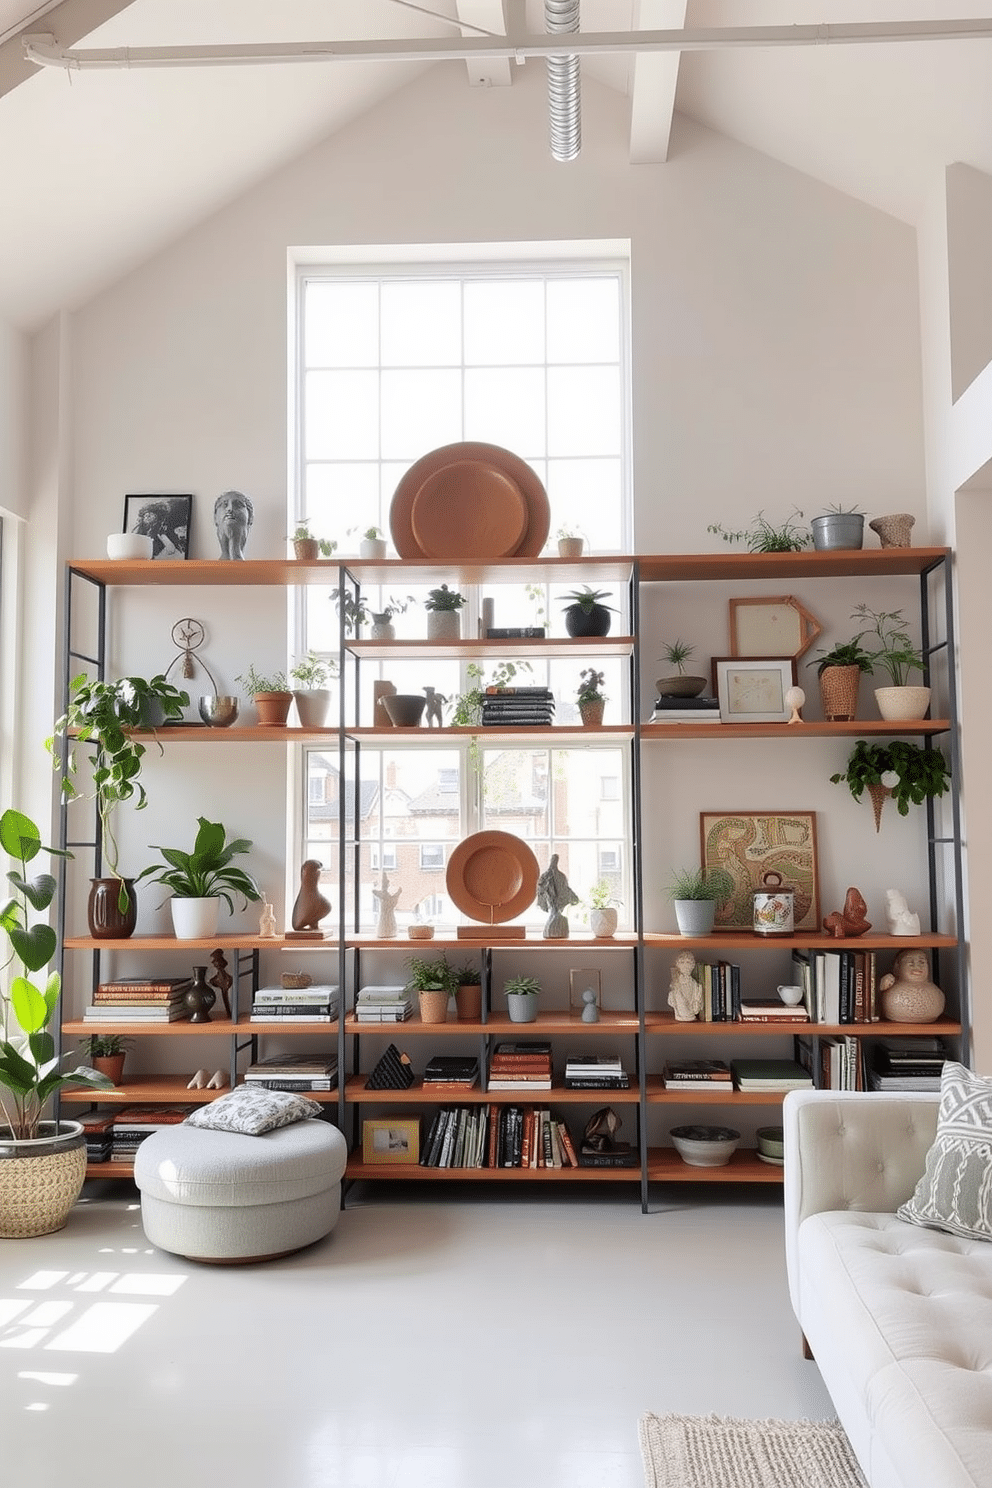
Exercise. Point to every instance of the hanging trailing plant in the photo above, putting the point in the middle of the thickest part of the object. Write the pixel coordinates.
(906, 772)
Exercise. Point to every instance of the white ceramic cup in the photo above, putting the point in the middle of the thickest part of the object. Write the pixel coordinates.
(791, 996)
(128, 545)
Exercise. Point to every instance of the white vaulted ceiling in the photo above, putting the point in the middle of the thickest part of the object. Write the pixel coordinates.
(99, 169)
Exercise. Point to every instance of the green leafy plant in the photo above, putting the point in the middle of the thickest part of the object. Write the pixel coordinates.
(314, 671)
(468, 975)
(700, 883)
(105, 1045)
(567, 531)
(302, 533)
(444, 599)
(522, 986)
(601, 896)
(590, 688)
(676, 653)
(912, 774)
(845, 653)
(763, 536)
(356, 610)
(30, 1068)
(431, 976)
(586, 598)
(208, 871)
(105, 714)
(255, 682)
(895, 652)
(373, 534)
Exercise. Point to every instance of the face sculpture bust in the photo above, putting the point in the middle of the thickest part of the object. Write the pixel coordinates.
(233, 516)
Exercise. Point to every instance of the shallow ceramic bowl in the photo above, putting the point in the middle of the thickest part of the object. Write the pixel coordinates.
(705, 1146)
(405, 709)
(420, 932)
(771, 1142)
(680, 686)
(218, 709)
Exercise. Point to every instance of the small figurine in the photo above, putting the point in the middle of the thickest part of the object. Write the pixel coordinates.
(685, 995)
(907, 993)
(218, 1081)
(267, 922)
(233, 516)
(311, 906)
(901, 919)
(435, 704)
(386, 928)
(555, 895)
(850, 921)
(794, 699)
(222, 978)
(200, 1080)
(590, 1012)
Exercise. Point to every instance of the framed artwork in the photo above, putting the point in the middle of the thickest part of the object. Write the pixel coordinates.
(753, 690)
(581, 981)
(749, 844)
(772, 627)
(165, 519)
(388, 1140)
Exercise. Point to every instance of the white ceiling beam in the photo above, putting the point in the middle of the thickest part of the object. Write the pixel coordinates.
(656, 74)
(489, 15)
(67, 22)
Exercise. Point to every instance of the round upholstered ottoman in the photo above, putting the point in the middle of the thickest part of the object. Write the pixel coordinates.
(224, 1196)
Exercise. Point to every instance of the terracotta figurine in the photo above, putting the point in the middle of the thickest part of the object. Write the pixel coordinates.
(849, 921)
(907, 993)
(311, 906)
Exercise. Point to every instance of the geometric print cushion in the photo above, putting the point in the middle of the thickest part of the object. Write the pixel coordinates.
(955, 1192)
(252, 1111)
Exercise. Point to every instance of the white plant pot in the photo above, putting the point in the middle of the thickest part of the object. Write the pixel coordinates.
(444, 625)
(570, 547)
(695, 916)
(603, 923)
(312, 705)
(522, 1007)
(195, 919)
(129, 545)
(902, 704)
(373, 548)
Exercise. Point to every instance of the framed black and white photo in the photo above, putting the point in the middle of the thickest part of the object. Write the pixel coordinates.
(391, 1140)
(165, 519)
(753, 691)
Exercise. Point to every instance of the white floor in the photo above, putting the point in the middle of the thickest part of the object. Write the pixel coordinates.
(457, 1341)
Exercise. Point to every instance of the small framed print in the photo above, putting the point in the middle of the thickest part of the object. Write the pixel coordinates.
(391, 1141)
(581, 981)
(772, 627)
(753, 690)
(165, 519)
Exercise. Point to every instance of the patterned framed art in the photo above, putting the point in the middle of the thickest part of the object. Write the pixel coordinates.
(749, 844)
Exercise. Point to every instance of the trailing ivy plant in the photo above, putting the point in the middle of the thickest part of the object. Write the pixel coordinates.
(919, 773)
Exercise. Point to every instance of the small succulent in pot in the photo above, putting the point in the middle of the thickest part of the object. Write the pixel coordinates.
(521, 998)
(444, 599)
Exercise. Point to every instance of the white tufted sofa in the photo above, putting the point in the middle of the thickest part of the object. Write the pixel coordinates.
(898, 1318)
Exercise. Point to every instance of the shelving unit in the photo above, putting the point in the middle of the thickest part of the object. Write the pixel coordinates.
(652, 1036)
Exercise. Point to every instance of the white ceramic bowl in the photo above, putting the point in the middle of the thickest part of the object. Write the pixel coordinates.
(705, 1146)
(128, 545)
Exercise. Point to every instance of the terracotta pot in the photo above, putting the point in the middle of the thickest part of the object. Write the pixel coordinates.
(104, 917)
(839, 693)
(273, 707)
(307, 548)
(111, 1065)
(468, 1001)
(591, 714)
(434, 1007)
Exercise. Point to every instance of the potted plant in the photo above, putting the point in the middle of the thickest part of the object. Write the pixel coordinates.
(443, 620)
(677, 653)
(200, 879)
(695, 893)
(468, 992)
(42, 1163)
(313, 694)
(585, 614)
(521, 998)
(590, 697)
(271, 694)
(308, 547)
(904, 771)
(570, 542)
(895, 654)
(839, 671)
(106, 1053)
(838, 527)
(602, 909)
(104, 715)
(357, 613)
(434, 983)
(372, 545)
(763, 536)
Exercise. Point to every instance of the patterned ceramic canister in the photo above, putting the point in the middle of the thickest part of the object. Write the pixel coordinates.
(774, 906)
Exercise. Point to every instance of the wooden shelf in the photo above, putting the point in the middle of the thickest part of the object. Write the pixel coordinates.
(110, 1170)
(464, 650)
(358, 1093)
(227, 942)
(666, 1023)
(216, 1028)
(652, 733)
(532, 940)
(746, 940)
(413, 1172)
(841, 563)
(160, 1090)
(500, 1027)
(745, 1166)
(729, 1096)
(551, 736)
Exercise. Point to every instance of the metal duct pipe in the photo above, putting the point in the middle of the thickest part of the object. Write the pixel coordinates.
(564, 86)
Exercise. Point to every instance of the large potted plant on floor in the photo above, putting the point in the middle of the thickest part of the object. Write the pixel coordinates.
(105, 715)
(42, 1163)
(200, 879)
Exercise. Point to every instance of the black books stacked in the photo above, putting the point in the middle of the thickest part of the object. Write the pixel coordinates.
(596, 1072)
(698, 1074)
(294, 1005)
(134, 1124)
(908, 1064)
(149, 1000)
(98, 1131)
(451, 1072)
(294, 1072)
(393, 1071)
(518, 707)
(458, 1137)
(520, 1066)
(685, 710)
(770, 1075)
(383, 1005)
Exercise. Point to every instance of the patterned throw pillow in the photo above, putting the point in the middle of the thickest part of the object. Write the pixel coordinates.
(253, 1112)
(955, 1192)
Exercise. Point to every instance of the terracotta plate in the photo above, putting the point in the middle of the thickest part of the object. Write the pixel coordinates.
(492, 876)
(469, 501)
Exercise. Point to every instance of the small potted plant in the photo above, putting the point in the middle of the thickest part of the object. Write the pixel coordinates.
(200, 879)
(521, 998)
(695, 893)
(570, 542)
(468, 992)
(106, 1053)
(677, 653)
(602, 909)
(591, 698)
(271, 694)
(838, 527)
(313, 694)
(895, 654)
(443, 620)
(763, 536)
(434, 984)
(356, 613)
(372, 545)
(904, 771)
(308, 547)
(839, 671)
(585, 613)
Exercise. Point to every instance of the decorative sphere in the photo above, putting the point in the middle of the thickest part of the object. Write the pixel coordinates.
(795, 697)
(889, 779)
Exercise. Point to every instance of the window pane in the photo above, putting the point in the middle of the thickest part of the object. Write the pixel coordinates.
(506, 406)
(504, 322)
(421, 324)
(584, 320)
(342, 415)
(583, 411)
(341, 325)
(340, 496)
(589, 495)
(421, 411)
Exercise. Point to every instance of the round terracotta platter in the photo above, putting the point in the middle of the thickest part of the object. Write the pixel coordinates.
(470, 502)
(492, 876)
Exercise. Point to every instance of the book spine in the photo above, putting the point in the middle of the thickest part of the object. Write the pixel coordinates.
(492, 1150)
(432, 1142)
(568, 1145)
(548, 1145)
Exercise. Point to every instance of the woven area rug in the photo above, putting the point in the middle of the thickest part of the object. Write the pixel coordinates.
(720, 1452)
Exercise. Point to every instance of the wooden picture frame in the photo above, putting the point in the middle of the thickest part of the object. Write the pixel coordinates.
(165, 519)
(772, 626)
(752, 689)
(391, 1140)
(749, 844)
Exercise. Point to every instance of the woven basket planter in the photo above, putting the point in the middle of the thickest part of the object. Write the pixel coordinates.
(434, 1007)
(40, 1179)
(839, 693)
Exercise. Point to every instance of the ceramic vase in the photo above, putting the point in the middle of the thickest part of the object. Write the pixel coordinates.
(200, 997)
(603, 923)
(695, 916)
(382, 629)
(106, 920)
(902, 704)
(444, 625)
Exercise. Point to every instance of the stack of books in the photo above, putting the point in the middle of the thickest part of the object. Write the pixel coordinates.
(771, 1010)
(294, 1005)
(528, 1137)
(770, 1075)
(457, 1137)
(383, 1005)
(141, 1000)
(294, 1072)
(451, 1072)
(516, 707)
(134, 1124)
(908, 1064)
(698, 1074)
(99, 1136)
(596, 1072)
(686, 710)
(520, 1066)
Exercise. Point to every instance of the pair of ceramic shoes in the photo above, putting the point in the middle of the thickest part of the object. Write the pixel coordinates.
(204, 1080)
